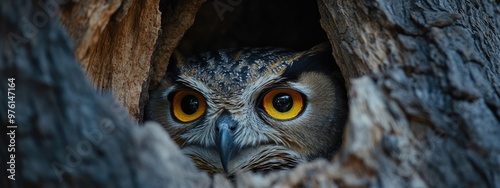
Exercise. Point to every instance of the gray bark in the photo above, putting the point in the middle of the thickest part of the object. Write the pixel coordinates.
(427, 111)
(67, 135)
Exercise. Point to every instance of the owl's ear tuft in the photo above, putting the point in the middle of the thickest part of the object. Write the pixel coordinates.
(316, 59)
(318, 49)
(175, 63)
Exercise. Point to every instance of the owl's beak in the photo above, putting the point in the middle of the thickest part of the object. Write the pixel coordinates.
(226, 128)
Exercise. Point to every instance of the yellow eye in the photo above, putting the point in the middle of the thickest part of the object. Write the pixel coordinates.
(283, 103)
(188, 105)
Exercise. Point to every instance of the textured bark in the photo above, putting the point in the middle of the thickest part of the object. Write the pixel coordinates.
(68, 135)
(177, 19)
(428, 111)
(423, 80)
(120, 60)
(115, 41)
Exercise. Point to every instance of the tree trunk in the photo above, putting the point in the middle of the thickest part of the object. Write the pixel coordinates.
(427, 113)
(423, 80)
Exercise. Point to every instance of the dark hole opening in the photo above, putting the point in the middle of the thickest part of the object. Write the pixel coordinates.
(223, 24)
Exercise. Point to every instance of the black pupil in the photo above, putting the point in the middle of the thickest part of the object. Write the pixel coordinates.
(189, 104)
(282, 102)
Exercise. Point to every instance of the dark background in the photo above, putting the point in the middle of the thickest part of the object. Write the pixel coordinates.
(290, 24)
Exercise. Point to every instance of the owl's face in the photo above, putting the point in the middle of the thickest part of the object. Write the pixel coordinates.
(255, 109)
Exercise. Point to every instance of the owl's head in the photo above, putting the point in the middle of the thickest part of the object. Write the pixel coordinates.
(256, 109)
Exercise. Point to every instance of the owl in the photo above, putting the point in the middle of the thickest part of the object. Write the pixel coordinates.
(252, 109)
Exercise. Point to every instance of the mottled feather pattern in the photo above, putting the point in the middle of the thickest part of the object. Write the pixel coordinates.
(231, 78)
(233, 81)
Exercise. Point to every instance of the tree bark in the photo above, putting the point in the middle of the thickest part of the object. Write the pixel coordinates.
(115, 41)
(67, 134)
(427, 113)
(423, 80)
